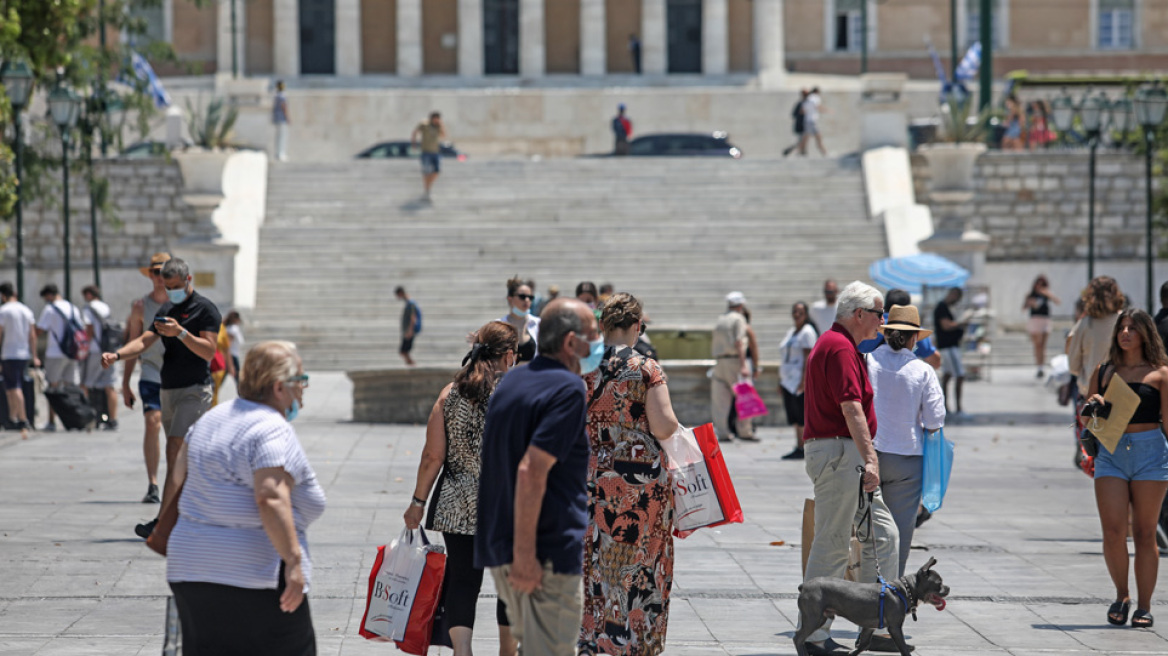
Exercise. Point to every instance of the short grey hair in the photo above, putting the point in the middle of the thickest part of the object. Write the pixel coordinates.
(555, 324)
(175, 268)
(856, 296)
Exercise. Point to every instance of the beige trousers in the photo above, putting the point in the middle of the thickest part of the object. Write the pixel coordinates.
(546, 622)
(722, 399)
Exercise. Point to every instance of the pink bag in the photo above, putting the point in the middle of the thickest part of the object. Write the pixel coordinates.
(747, 401)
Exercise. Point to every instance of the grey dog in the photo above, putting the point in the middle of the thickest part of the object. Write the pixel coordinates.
(826, 597)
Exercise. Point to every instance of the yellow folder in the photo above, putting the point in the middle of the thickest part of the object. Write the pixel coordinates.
(1124, 402)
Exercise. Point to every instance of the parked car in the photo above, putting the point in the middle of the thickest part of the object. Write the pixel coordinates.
(694, 144)
(148, 149)
(391, 149)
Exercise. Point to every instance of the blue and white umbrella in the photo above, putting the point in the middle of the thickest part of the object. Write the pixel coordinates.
(913, 273)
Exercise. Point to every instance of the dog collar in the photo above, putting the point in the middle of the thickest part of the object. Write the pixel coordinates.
(912, 601)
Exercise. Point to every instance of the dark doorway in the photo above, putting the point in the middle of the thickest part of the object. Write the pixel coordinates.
(501, 37)
(318, 39)
(684, 25)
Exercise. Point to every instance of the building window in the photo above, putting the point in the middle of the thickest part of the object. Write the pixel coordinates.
(973, 23)
(1116, 19)
(849, 25)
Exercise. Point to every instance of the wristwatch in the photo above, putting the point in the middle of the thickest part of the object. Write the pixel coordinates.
(415, 501)
(183, 335)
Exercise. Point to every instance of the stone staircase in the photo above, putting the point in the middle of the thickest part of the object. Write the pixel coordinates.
(678, 233)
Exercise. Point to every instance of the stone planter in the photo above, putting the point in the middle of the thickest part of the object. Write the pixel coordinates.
(202, 170)
(951, 165)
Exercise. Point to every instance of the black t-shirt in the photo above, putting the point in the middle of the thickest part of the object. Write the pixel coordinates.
(180, 366)
(946, 338)
(1041, 307)
(1161, 320)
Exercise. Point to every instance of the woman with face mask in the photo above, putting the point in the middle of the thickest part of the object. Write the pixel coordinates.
(628, 549)
(238, 559)
(454, 437)
(519, 317)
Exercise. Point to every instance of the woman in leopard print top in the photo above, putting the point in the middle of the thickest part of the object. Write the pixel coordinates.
(453, 438)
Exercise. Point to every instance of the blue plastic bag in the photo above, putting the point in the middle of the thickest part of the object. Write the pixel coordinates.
(938, 465)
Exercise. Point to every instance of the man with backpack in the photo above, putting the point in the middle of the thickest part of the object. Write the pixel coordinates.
(96, 380)
(622, 129)
(68, 342)
(411, 324)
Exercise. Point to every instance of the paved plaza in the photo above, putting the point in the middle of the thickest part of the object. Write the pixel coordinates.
(1018, 540)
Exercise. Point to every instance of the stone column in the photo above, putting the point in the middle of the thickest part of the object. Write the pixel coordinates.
(348, 37)
(286, 41)
(653, 42)
(715, 37)
(532, 53)
(409, 38)
(470, 38)
(592, 38)
(223, 34)
(769, 58)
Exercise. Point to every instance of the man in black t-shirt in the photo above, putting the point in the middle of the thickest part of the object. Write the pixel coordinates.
(188, 326)
(948, 336)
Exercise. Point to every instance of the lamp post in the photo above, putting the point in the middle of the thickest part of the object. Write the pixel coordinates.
(1151, 103)
(90, 123)
(64, 106)
(1123, 117)
(1062, 111)
(18, 80)
(1093, 113)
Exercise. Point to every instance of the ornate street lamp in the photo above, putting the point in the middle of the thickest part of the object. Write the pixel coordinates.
(1093, 114)
(18, 81)
(90, 124)
(64, 105)
(1062, 110)
(1123, 117)
(1151, 104)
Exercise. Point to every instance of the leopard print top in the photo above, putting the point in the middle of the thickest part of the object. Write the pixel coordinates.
(456, 508)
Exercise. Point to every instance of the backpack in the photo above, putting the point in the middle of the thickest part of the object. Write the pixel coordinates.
(417, 317)
(113, 336)
(74, 342)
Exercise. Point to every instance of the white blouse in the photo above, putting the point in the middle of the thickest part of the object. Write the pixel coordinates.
(908, 400)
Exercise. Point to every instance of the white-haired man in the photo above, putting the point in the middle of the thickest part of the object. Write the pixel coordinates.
(840, 425)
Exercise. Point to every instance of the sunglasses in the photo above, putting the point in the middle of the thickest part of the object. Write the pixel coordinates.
(873, 311)
(524, 297)
(156, 272)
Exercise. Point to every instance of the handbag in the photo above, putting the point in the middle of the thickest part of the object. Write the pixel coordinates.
(938, 465)
(747, 401)
(703, 494)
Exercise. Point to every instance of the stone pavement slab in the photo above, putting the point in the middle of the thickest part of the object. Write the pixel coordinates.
(1018, 540)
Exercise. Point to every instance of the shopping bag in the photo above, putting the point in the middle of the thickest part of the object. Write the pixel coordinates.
(938, 457)
(703, 494)
(855, 557)
(403, 590)
(747, 401)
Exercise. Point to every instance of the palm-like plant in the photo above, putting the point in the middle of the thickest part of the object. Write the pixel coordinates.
(212, 128)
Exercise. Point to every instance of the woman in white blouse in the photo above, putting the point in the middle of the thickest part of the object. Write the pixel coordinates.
(237, 560)
(795, 348)
(908, 401)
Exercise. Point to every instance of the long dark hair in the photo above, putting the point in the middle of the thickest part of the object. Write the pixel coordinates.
(1152, 347)
(476, 380)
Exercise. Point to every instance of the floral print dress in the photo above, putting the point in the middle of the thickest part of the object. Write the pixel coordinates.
(628, 549)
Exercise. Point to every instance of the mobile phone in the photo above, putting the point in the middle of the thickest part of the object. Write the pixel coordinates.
(160, 318)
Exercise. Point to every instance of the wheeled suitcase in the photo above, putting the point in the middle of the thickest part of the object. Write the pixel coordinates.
(71, 405)
(100, 403)
(28, 387)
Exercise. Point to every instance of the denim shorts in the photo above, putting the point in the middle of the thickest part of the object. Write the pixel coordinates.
(151, 394)
(431, 163)
(1139, 456)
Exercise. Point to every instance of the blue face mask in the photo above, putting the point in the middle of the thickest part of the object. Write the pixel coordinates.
(177, 296)
(291, 413)
(591, 362)
(522, 314)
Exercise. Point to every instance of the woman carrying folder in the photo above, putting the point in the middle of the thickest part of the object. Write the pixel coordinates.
(1133, 475)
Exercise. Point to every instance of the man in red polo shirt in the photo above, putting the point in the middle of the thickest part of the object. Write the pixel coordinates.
(840, 424)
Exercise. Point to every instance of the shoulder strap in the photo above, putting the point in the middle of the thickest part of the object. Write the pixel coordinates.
(1102, 368)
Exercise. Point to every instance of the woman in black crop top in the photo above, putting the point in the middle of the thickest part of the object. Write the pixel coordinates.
(1038, 325)
(1135, 477)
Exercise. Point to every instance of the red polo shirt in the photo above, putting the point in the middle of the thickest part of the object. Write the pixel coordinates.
(836, 372)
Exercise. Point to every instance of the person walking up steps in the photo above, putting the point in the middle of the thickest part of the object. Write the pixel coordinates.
(431, 135)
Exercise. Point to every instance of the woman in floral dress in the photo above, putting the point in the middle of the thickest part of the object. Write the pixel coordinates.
(628, 550)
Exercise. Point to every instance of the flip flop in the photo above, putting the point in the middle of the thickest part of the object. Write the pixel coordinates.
(1141, 619)
(1119, 610)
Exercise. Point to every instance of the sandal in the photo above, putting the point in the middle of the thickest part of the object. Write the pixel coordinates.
(1141, 619)
(1117, 613)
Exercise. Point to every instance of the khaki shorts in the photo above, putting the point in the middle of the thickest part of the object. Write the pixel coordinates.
(60, 371)
(182, 407)
(546, 622)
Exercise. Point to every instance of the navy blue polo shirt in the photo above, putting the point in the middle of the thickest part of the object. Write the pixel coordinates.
(542, 403)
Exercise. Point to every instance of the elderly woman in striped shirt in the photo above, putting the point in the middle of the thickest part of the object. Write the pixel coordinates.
(238, 558)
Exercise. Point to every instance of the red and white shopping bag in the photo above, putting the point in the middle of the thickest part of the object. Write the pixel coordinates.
(404, 587)
(703, 494)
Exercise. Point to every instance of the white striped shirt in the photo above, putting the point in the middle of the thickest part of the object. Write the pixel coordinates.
(219, 537)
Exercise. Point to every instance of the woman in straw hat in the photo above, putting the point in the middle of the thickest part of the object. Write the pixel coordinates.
(908, 401)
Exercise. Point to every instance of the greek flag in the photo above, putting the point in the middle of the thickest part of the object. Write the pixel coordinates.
(940, 68)
(969, 63)
(144, 72)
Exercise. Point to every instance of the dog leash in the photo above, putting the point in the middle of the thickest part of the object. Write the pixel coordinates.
(885, 586)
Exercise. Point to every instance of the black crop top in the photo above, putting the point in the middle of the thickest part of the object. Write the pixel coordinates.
(1148, 411)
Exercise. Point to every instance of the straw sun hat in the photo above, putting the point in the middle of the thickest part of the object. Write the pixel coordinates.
(905, 317)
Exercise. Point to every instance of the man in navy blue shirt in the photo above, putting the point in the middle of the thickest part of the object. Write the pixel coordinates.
(533, 495)
(924, 350)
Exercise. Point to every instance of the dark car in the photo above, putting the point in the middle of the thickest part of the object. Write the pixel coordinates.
(698, 144)
(149, 149)
(391, 149)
